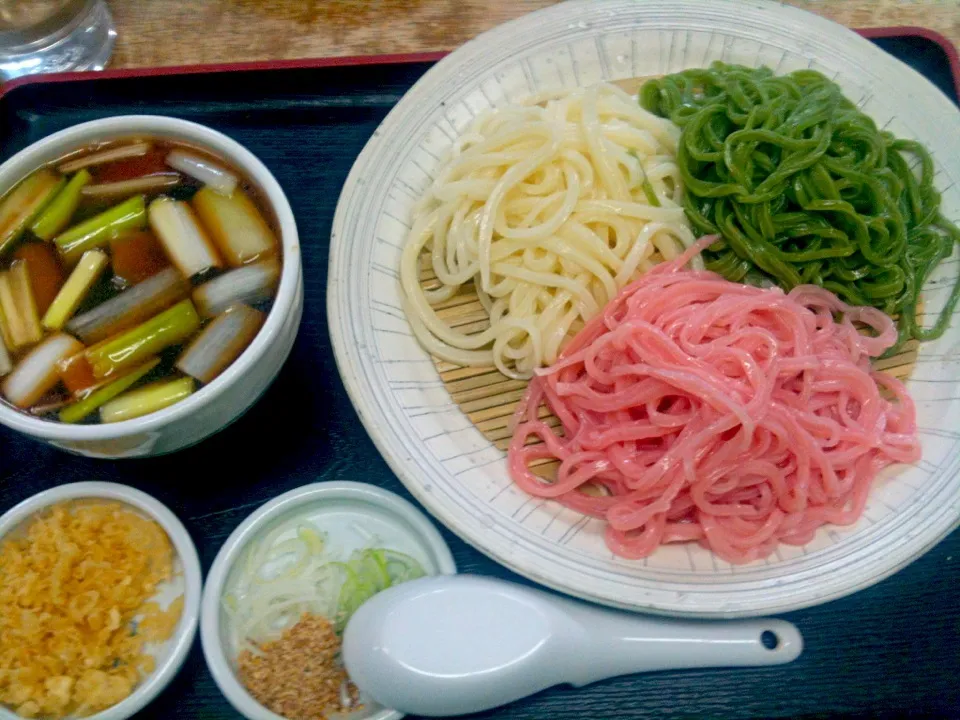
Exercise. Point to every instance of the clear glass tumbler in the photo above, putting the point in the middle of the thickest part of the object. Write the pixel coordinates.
(42, 36)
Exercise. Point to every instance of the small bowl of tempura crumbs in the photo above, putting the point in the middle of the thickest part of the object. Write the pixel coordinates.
(99, 601)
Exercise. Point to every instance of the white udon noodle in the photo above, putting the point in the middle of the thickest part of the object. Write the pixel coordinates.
(545, 207)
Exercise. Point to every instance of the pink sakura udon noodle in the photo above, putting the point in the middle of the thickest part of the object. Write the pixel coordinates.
(705, 410)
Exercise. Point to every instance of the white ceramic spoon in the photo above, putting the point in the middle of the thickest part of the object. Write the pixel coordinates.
(458, 644)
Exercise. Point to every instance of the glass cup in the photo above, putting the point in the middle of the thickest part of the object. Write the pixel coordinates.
(42, 36)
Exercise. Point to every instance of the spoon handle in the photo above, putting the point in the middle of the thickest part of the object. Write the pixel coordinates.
(621, 643)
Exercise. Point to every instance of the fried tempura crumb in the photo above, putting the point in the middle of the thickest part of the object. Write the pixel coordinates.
(71, 586)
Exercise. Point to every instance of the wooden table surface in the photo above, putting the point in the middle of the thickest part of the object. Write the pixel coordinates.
(179, 32)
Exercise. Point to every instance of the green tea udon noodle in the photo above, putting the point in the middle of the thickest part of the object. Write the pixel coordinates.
(804, 188)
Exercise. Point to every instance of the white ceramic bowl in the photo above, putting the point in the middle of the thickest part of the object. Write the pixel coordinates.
(215, 406)
(343, 499)
(169, 655)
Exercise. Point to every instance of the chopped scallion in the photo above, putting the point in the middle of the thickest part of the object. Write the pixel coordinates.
(249, 284)
(25, 202)
(21, 320)
(132, 306)
(83, 277)
(146, 184)
(36, 374)
(170, 327)
(121, 152)
(146, 400)
(56, 216)
(99, 230)
(185, 240)
(199, 168)
(79, 410)
(235, 224)
(6, 365)
(220, 343)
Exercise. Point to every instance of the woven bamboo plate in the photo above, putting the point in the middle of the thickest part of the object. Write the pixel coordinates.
(442, 428)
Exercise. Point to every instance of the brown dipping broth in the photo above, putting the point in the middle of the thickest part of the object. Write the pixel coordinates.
(109, 285)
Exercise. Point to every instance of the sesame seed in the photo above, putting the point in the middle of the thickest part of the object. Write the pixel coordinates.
(311, 694)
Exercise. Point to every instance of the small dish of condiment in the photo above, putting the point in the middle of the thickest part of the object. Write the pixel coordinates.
(100, 591)
(285, 584)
